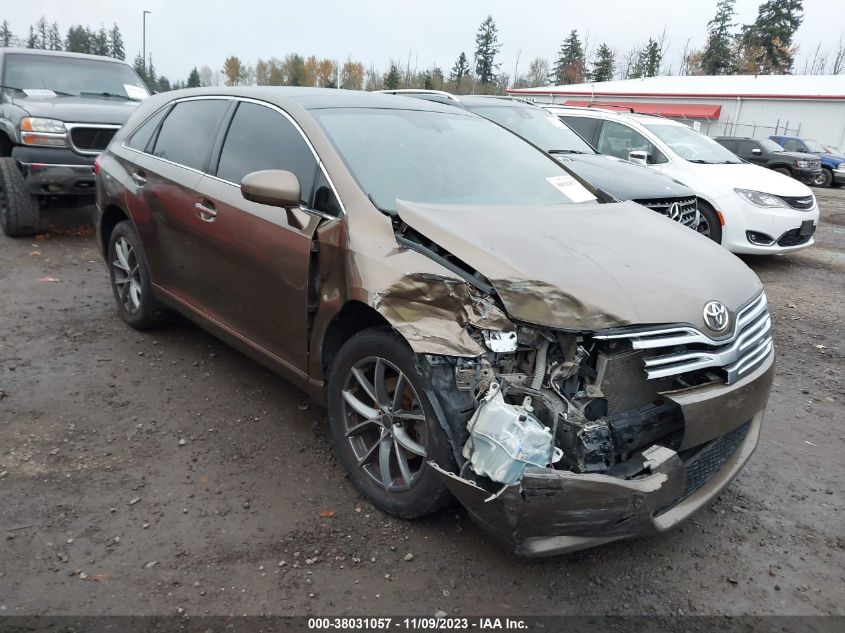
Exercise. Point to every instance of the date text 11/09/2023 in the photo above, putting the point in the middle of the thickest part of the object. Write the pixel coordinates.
(416, 624)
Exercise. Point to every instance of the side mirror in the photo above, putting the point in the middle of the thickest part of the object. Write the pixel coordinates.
(638, 156)
(271, 186)
(756, 151)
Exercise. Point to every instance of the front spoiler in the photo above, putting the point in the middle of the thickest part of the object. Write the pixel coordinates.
(552, 512)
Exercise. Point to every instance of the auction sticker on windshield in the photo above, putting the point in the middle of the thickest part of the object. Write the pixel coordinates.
(571, 188)
(39, 92)
(135, 92)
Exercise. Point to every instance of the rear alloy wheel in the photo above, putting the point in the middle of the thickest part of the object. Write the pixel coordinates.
(384, 428)
(19, 211)
(708, 222)
(824, 179)
(130, 280)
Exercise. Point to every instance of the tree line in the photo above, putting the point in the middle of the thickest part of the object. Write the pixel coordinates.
(766, 46)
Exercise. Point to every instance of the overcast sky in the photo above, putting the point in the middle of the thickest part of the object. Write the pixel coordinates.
(186, 33)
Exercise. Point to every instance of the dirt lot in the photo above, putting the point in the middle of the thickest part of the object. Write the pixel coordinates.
(148, 473)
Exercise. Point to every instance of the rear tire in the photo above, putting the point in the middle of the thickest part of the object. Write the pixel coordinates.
(708, 222)
(129, 275)
(824, 179)
(371, 426)
(19, 211)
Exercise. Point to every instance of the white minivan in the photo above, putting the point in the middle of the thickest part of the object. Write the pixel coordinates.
(746, 208)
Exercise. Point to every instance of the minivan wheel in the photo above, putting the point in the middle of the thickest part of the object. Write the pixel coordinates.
(708, 222)
(19, 211)
(384, 428)
(130, 280)
(824, 178)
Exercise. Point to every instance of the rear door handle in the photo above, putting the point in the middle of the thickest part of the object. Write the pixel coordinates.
(205, 210)
(138, 178)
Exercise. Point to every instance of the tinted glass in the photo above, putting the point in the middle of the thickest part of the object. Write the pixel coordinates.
(72, 76)
(691, 145)
(324, 198)
(584, 126)
(538, 126)
(731, 144)
(141, 138)
(439, 157)
(261, 138)
(619, 140)
(770, 146)
(188, 132)
(792, 145)
(745, 147)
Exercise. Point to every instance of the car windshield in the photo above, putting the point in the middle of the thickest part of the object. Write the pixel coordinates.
(813, 146)
(691, 145)
(439, 157)
(538, 126)
(770, 146)
(40, 75)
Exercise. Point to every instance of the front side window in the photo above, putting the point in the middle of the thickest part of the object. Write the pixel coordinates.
(691, 145)
(439, 157)
(261, 138)
(620, 140)
(746, 147)
(188, 132)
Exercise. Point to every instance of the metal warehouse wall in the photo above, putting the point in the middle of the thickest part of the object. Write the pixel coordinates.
(822, 120)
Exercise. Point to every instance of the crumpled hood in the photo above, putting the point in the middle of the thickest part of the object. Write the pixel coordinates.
(622, 179)
(78, 109)
(588, 266)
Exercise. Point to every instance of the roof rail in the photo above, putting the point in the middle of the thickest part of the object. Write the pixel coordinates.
(509, 98)
(611, 106)
(419, 91)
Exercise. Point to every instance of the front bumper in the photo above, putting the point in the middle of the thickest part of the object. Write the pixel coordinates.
(49, 171)
(742, 218)
(552, 512)
(807, 176)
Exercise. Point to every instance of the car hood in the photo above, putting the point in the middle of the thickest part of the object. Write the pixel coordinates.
(588, 266)
(746, 176)
(78, 109)
(622, 179)
(795, 155)
(832, 157)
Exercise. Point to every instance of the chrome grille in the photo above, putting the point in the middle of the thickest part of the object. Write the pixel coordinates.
(686, 211)
(91, 139)
(686, 349)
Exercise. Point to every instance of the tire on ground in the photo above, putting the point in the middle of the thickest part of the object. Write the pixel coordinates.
(19, 211)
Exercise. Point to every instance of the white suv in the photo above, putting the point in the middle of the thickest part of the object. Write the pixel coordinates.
(746, 208)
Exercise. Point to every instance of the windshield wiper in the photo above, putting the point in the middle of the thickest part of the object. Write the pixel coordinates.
(53, 90)
(108, 94)
(565, 151)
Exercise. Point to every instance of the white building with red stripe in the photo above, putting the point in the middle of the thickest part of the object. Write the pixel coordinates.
(809, 106)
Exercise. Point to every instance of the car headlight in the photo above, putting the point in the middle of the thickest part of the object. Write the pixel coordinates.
(803, 164)
(761, 199)
(43, 132)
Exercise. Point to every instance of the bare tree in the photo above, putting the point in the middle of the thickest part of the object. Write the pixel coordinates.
(839, 58)
(816, 64)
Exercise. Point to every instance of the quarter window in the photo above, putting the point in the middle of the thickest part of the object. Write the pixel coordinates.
(188, 132)
(618, 140)
(143, 135)
(585, 126)
(261, 138)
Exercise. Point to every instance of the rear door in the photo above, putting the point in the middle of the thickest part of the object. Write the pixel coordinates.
(255, 258)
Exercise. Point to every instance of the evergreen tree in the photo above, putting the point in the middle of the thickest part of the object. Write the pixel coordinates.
(78, 40)
(32, 40)
(140, 67)
(151, 79)
(100, 42)
(163, 84)
(42, 30)
(650, 58)
(293, 70)
(569, 66)
(604, 64)
(486, 48)
(428, 84)
(54, 38)
(717, 58)
(459, 71)
(770, 37)
(6, 35)
(116, 47)
(194, 78)
(392, 77)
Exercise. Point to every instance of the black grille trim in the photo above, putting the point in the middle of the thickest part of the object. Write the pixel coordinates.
(91, 138)
(794, 238)
(802, 203)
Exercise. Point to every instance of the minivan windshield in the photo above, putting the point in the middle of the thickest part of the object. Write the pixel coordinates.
(439, 157)
(691, 145)
(71, 76)
(538, 126)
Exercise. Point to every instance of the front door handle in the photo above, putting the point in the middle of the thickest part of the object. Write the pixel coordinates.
(205, 210)
(138, 178)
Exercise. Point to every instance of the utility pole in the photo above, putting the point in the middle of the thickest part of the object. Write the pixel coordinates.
(144, 40)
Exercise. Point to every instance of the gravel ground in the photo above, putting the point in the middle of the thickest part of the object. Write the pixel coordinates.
(148, 473)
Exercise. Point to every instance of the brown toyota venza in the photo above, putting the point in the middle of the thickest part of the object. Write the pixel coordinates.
(481, 323)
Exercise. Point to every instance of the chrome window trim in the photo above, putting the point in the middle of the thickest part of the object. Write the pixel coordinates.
(229, 182)
(102, 126)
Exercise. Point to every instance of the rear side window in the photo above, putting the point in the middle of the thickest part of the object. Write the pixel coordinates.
(618, 140)
(584, 126)
(188, 132)
(261, 138)
(143, 135)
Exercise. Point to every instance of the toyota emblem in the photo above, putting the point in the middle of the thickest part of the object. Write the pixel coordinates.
(716, 316)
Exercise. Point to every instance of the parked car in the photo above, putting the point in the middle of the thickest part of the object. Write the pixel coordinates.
(746, 208)
(833, 162)
(471, 327)
(620, 178)
(57, 112)
(766, 153)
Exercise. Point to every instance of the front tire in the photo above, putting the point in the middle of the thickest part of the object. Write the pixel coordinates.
(384, 428)
(824, 179)
(19, 212)
(708, 223)
(129, 274)
(783, 170)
